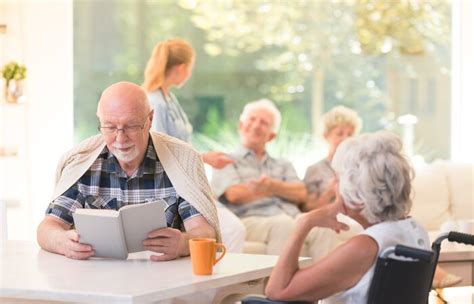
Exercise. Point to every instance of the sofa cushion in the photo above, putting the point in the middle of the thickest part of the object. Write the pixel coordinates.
(430, 195)
(255, 247)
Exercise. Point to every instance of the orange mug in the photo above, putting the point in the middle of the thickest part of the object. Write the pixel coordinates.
(203, 254)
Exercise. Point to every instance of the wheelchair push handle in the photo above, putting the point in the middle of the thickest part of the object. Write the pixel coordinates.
(459, 237)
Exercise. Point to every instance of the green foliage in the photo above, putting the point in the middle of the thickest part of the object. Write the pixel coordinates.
(215, 124)
(225, 140)
(14, 70)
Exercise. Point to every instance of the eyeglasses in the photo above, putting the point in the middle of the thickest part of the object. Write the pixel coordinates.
(125, 129)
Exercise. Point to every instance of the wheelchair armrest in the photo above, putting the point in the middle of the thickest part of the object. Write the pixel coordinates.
(409, 252)
(415, 253)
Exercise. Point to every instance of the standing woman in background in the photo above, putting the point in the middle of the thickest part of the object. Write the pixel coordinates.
(170, 65)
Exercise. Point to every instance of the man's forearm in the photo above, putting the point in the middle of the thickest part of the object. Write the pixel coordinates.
(50, 235)
(241, 194)
(294, 192)
(201, 232)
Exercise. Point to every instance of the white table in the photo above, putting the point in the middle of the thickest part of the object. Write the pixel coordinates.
(454, 295)
(31, 274)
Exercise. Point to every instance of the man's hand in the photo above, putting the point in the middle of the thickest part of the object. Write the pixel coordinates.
(56, 236)
(262, 187)
(166, 241)
(173, 243)
(72, 249)
(217, 160)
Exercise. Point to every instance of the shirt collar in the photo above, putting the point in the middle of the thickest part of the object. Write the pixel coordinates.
(147, 166)
(246, 152)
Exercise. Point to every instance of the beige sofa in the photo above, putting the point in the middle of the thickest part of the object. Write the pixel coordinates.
(442, 192)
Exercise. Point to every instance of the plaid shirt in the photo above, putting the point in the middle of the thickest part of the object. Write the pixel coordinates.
(106, 186)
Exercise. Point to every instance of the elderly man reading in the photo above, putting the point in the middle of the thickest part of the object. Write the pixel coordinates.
(129, 164)
(264, 191)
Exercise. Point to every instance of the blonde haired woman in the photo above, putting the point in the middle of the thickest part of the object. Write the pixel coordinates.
(170, 65)
(338, 124)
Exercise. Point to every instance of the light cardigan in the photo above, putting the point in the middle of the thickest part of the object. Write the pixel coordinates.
(181, 162)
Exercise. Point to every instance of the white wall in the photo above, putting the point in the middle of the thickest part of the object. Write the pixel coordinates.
(40, 34)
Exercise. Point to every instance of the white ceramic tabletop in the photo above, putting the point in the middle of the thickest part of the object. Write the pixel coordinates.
(28, 272)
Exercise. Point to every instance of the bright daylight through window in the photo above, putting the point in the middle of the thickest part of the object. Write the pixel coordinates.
(388, 60)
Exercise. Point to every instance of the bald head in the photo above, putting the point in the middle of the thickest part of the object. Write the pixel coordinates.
(124, 97)
(126, 116)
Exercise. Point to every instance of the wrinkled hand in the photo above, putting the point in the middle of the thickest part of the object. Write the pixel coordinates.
(164, 240)
(217, 160)
(326, 216)
(71, 247)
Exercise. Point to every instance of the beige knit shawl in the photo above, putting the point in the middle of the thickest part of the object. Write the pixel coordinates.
(181, 162)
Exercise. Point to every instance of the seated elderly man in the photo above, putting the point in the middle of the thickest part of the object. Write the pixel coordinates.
(264, 191)
(129, 164)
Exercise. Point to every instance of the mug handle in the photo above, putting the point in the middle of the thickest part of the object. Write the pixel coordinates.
(219, 245)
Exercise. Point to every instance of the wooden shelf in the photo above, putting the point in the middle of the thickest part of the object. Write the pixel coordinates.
(8, 151)
(3, 102)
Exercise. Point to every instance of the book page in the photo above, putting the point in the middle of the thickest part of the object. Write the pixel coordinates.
(97, 212)
(102, 231)
(139, 220)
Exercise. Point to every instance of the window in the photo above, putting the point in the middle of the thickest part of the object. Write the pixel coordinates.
(383, 59)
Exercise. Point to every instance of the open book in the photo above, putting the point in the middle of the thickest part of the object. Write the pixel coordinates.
(115, 234)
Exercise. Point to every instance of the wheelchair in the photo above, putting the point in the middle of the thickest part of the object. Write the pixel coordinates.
(398, 280)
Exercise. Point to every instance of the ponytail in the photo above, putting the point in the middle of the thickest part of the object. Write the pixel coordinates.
(156, 67)
(166, 55)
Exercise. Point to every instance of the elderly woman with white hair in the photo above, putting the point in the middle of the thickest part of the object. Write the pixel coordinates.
(374, 184)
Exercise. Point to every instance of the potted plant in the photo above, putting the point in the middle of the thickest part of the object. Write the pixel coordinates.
(14, 74)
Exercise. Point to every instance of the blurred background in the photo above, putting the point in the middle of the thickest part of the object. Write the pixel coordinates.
(403, 65)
